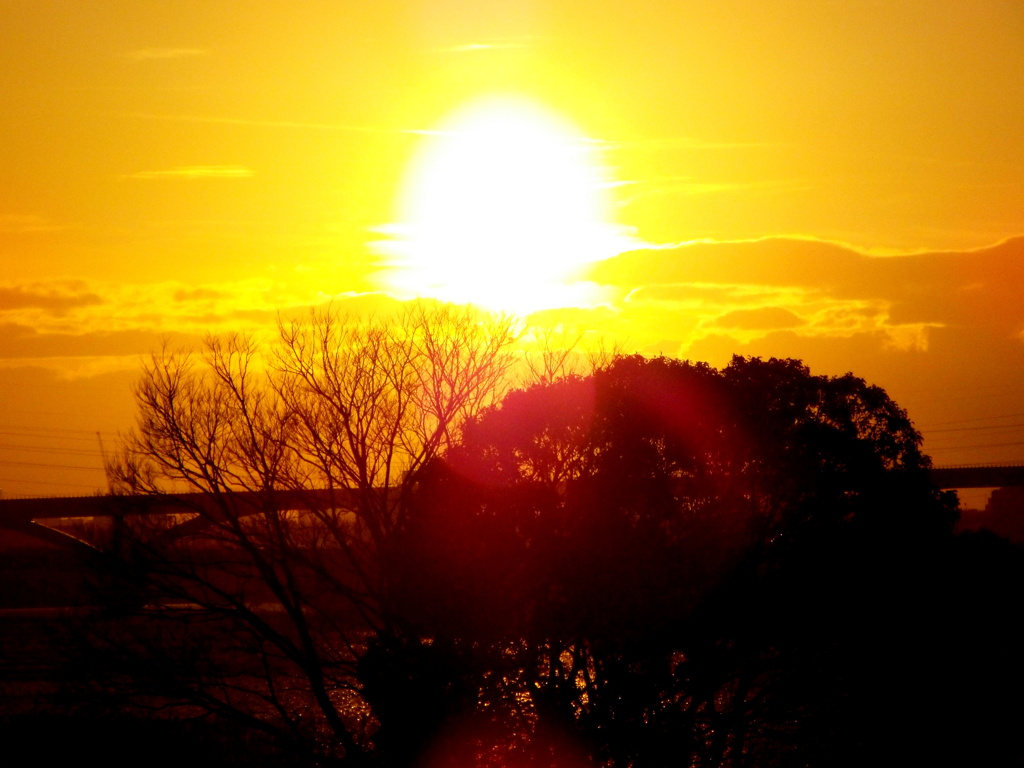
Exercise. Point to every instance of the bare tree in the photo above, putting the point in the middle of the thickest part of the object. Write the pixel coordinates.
(558, 352)
(294, 463)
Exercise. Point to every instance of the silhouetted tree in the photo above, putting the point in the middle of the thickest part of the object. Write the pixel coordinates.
(300, 455)
(657, 563)
(680, 564)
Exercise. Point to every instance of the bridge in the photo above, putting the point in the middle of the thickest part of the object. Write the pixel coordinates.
(23, 514)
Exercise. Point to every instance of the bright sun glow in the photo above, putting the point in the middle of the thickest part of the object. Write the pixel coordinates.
(501, 208)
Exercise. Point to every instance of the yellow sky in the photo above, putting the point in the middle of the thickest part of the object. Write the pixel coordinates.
(168, 168)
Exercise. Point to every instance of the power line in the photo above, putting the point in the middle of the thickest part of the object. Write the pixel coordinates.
(969, 421)
(41, 449)
(973, 447)
(974, 429)
(48, 466)
(32, 433)
(46, 482)
(50, 429)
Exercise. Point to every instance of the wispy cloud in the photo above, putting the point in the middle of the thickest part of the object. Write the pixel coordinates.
(149, 54)
(341, 127)
(72, 309)
(24, 342)
(683, 185)
(19, 223)
(691, 143)
(55, 298)
(198, 294)
(760, 318)
(197, 172)
(747, 290)
(492, 45)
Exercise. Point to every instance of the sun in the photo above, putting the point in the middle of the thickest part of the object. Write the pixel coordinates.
(502, 207)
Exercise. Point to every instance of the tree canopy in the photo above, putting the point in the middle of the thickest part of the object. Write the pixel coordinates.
(691, 564)
(656, 563)
(652, 467)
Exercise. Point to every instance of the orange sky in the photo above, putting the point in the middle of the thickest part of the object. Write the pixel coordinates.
(169, 168)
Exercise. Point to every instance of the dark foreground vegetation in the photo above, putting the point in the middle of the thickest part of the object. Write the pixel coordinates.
(657, 563)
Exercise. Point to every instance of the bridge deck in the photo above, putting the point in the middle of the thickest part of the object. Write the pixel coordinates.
(20, 510)
(16, 512)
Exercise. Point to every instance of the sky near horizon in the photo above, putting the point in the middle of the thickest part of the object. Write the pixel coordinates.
(840, 181)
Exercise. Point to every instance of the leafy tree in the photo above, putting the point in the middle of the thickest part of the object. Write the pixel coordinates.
(667, 555)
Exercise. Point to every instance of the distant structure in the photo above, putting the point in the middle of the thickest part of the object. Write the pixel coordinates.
(978, 476)
(1004, 513)
(26, 516)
